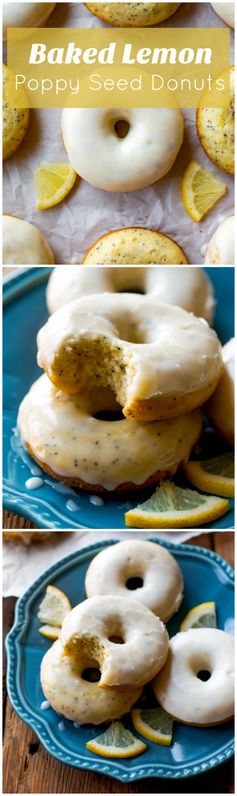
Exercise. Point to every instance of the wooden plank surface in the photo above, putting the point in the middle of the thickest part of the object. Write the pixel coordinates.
(27, 768)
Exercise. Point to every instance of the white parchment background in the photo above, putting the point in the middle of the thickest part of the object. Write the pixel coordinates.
(72, 226)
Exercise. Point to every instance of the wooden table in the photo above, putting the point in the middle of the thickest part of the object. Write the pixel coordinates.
(29, 769)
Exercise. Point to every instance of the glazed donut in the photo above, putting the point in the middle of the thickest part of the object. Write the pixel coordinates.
(76, 698)
(98, 154)
(189, 288)
(221, 248)
(15, 120)
(127, 640)
(63, 434)
(24, 244)
(161, 586)
(25, 15)
(216, 130)
(225, 11)
(159, 360)
(182, 693)
(133, 14)
(220, 407)
(134, 246)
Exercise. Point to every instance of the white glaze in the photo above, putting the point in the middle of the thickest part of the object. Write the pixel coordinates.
(25, 15)
(106, 161)
(220, 407)
(178, 689)
(162, 589)
(132, 663)
(226, 11)
(188, 287)
(34, 483)
(221, 247)
(77, 699)
(24, 244)
(64, 435)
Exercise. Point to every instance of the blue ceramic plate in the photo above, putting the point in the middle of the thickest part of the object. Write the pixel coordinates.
(194, 750)
(55, 505)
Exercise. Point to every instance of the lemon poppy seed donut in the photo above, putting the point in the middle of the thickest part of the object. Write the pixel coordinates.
(159, 360)
(189, 288)
(25, 15)
(68, 440)
(182, 693)
(24, 244)
(221, 247)
(161, 588)
(15, 120)
(134, 246)
(215, 127)
(225, 11)
(221, 405)
(133, 14)
(105, 160)
(91, 627)
(76, 698)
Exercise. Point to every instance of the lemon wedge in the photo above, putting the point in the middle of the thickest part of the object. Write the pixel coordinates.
(53, 181)
(154, 724)
(203, 615)
(172, 506)
(50, 631)
(54, 607)
(200, 191)
(116, 741)
(215, 476)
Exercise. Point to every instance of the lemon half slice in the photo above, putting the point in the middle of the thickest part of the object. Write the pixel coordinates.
(173, 507)
(154, 724)
(53, 181)
(50, 631)
(54, 607)
(200, 191)
(215, 476)
(203, 615)
(116, 741)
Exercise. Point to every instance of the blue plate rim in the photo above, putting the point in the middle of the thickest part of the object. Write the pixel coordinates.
(109, 768)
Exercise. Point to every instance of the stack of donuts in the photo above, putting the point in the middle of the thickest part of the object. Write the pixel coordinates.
(118, 407)
(113, 643)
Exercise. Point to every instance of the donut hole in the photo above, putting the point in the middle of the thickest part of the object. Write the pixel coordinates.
(204, 675)
(134, 583)
(116, 639)
(121, 128)
(109, 415)
(91, 673)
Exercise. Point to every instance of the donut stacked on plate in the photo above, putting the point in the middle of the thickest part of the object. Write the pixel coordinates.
(147, 364)
(113, 643)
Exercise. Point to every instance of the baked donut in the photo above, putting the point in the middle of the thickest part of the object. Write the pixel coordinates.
(115, 571)
(127, 640)
(25, 15)
(65, 437)
(159, 360)
(15, 120)
(75, 697)
(134, 246)
(189, 288)
(24, 244)
(183, 693)
(221, 247)
(220, 407)
(135, 15)
(225, 11)
(98, 153)
(27, 537)
(216, 130)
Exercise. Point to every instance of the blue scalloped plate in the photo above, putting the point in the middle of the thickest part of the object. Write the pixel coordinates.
(194, 750)
(50, 505)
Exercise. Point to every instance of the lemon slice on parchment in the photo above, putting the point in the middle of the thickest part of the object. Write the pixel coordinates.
(53, 181)
(200, 191)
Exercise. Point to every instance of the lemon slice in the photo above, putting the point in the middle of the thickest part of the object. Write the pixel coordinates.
(215, 476)
(50, 631)
(173, 507)
(54, 607)
(53, 181)
(200, 191)
(116, 741)
(154, 724)
(203, 615)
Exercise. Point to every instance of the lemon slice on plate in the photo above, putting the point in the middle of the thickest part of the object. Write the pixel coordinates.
(172, 506)
(200, 191)
(53, 181)
(116, 741)
(203, 615)
(215, 476)
(54, 607)
(50, 631)
(154, 724)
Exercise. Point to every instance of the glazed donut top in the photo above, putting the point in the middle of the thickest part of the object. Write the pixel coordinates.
(189, 288)
(221, 249)
(25, 15)
(154, 348)
(24, 244)
(92, 624)
(133, 14)
(226, 11)
(162, 586)
(178, 687)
